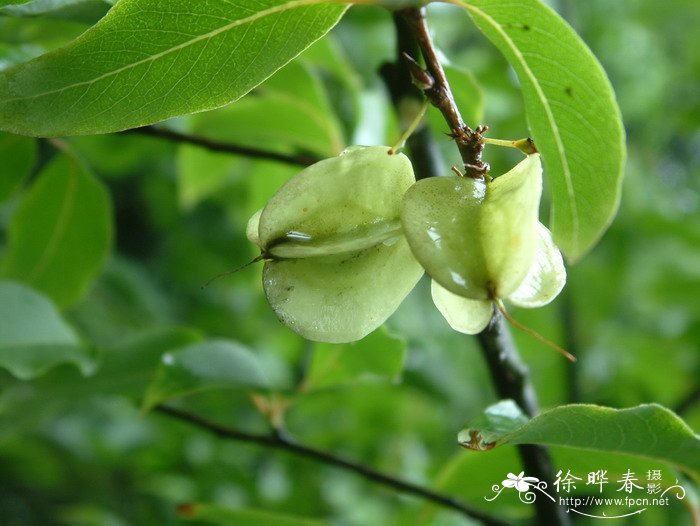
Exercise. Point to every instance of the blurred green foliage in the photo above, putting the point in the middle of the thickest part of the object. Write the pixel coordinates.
(74, 447)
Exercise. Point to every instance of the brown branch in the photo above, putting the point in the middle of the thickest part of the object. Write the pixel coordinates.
(218, 146)
(437, 89)
(284, 443)
(508, 372)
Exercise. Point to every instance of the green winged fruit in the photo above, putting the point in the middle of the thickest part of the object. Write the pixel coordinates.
(336, 262)
(481, 241)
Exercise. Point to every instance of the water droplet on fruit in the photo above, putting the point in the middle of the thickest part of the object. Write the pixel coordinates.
(299, 236)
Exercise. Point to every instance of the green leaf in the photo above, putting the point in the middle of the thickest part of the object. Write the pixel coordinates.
(61, 233)
(377, 356)
(649, 430)
(289, 112)
(202, 173)
(12, 2)
(213, 364)
(148, 60)
(343, 84)
(127, 368)
(471, 476)
(124, 370)
(571, 112)
(33, 336)
(241, 517)
(304, 121)
(17, 158)
(263, 180)
(300, 86)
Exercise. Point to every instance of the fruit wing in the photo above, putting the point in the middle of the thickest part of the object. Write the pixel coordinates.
(341, 298)
(509, 224)
(361, 187)
(463, 314)
(546, 276)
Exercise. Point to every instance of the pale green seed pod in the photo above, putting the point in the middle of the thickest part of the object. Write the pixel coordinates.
(481, 242)
(476, 238)
(337, 264)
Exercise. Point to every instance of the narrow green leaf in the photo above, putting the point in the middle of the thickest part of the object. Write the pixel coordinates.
(650, 431)
(214, 364)
(33, 336)
(241, 517)
(571, 111)
(17, 158)
(148, 60)
(378, 356)
(61, 233)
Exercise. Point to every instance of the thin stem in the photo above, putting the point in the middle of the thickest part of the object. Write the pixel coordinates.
(261, 257)
(218, 146)
(508, 372)
(533, 333)
(571, 339)
(410, 128)
(283, 442)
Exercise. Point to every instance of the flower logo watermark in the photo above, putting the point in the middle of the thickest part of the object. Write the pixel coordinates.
(523, 485)
(519, 482)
